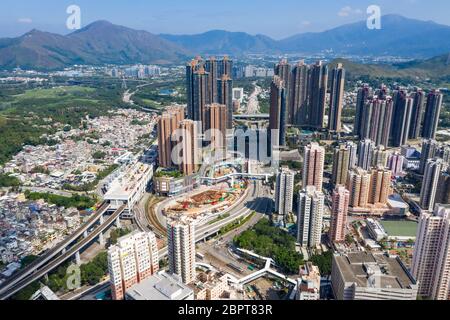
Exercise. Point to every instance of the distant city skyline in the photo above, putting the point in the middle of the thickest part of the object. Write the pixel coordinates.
(191, 17)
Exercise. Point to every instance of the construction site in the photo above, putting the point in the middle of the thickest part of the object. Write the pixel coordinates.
(207, 200)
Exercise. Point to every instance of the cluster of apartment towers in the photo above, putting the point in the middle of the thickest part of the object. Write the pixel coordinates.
(362, 173)
(209, 114)
(298, 95)
(135, 257)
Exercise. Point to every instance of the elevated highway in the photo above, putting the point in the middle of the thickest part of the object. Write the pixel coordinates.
(264, 176)
(61, 252)
(205, 231)
(255, 116)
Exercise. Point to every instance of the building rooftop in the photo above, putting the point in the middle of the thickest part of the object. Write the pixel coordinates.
(370, 270)
(396, 201)
(127, 181)
(161, 286)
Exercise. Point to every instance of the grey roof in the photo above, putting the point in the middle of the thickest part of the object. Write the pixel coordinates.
(391, 271)
(161, 286)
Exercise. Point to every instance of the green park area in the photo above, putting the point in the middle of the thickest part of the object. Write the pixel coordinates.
(76, 201)
(168, 173)
(270, 241)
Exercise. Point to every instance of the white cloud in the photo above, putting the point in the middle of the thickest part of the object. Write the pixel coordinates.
(306, 23)
(347, 11)
(25, 20)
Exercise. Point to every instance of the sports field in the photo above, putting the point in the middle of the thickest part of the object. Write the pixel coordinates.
(400, 228)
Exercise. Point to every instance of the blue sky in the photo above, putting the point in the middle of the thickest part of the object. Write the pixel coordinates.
(275, 18)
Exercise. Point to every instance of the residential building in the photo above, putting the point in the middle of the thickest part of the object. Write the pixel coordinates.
(283, 71)
(366, 149)
(310, 216)
(341, 164)
(133, 259)
(380, 186)
(216, 127)
(401, 118)
(379, 156)
(284, 192)
(443, 187)
(395, 164)
(181, 248)
(336, 98)
(317, 91)
(353, 158)
(429, 150)
(225, 97)
(238, 94)
(211, 67)
(361, 101)
(189, 142)
(308, 284)
(430, 181)
(278, 111)
(211, 285)
(200, 95)
(225, 67)
(339, 212)
(313, 162)
(298, 94)
(416, 113)
(375, 120)
(431, 115)
(191, 68)
(431, 257)
(167, 124)
(358, 184)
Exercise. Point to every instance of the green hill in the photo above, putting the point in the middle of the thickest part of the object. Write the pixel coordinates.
(437, 67)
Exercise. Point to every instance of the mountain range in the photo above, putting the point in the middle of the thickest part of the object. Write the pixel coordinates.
(102, 42)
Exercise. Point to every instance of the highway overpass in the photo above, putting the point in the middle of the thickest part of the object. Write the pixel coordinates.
(206, 231)
(262, 176)
(255, 116)
(62, 252)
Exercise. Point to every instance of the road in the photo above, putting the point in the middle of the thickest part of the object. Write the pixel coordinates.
(258, 200)
(253, 103)
(240, 211)
(218, 252)
(91, 293)
(158, 219)
(32, 273)
(126, 98)
(45, 258)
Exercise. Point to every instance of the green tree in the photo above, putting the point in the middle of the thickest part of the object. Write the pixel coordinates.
(8, 181)
(323, 261)
(98, 155)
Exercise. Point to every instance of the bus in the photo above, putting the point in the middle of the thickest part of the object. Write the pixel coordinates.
(199, 255)
(234, 267)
